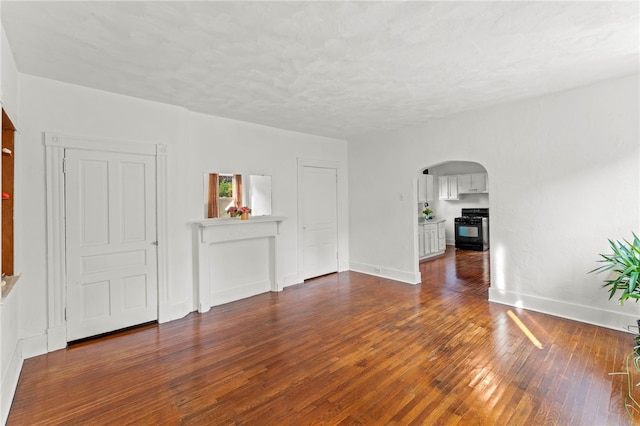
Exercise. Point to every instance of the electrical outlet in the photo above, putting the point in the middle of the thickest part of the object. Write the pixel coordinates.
(376, 270)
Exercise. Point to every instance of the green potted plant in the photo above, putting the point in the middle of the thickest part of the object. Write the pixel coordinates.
(428, 213)
(625, 264)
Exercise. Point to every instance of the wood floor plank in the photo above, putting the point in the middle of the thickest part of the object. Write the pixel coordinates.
(343, 349)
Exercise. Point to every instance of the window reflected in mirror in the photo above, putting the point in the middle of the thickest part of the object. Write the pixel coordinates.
(223, 191)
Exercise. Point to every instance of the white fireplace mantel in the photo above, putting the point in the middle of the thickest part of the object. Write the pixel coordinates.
(236, 259)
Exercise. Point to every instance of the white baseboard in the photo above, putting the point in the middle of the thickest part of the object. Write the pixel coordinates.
(586, 314)
(35, 345)
(10, 382)
(294, 279)
(240, 292)
(56, 338)
(177, 311)
(393, 274)
(290, 280)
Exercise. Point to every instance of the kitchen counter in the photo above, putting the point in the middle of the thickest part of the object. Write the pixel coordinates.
(421, 221)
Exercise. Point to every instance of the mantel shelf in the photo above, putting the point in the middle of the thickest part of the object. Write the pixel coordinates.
(231, 221)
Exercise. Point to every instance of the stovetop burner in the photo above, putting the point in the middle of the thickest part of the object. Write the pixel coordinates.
(476, 212)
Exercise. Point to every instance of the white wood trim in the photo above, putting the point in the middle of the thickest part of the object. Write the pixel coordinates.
(393, 274)
(587, 314)
(10, 382)
(229, 221)
(55, 145)
(416, 233)
(56, 269)
(108, 145)
(326, 164)
(164, 305)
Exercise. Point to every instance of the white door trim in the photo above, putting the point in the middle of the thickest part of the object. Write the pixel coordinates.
(55, 145)
(341, 206)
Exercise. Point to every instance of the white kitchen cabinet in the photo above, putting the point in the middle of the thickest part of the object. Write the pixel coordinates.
(472, 183)
(425, 188)
(431, 233)
(448, 187)
(442, 241)
(431, 237)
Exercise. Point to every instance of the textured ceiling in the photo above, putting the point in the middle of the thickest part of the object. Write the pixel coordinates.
(328, 68)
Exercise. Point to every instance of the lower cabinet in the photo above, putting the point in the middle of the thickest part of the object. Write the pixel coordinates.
(431, 239)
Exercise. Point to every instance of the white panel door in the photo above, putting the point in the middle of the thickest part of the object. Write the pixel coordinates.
(110, 241)
(319, 218)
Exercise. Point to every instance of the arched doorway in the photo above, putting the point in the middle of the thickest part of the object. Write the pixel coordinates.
(452, 188)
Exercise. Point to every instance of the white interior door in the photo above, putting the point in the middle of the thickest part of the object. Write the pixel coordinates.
(110, 241)
(319, 221)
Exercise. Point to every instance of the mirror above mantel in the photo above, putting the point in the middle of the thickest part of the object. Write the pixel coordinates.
(223, 190)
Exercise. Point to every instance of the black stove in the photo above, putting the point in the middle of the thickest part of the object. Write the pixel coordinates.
(472, 229)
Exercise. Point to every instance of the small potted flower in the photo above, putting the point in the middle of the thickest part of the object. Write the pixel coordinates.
(428, 213)
(242, 212)
(231, 211)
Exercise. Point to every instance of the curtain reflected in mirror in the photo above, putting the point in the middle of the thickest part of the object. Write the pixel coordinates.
(223, 191)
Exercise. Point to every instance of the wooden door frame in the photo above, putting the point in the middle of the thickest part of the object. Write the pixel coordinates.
(340, 225)
(8, 206)
(55, 146)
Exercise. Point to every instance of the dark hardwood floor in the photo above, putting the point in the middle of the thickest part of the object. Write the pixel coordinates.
(346, 349)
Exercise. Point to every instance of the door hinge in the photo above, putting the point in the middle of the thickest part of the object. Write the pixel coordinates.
(64, 165)
(65, 314)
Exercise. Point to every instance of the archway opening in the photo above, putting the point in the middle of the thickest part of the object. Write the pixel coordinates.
(448, 193)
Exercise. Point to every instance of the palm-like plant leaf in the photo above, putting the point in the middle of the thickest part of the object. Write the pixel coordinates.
(624, 262)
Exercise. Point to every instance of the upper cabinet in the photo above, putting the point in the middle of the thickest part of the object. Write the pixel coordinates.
(425, 188)
(452, 186)
(472, 183)
(448, 187)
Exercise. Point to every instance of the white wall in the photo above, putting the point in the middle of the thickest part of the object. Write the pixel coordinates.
(564, 177)
(9, 79)
(196, 144)
(10, 350)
